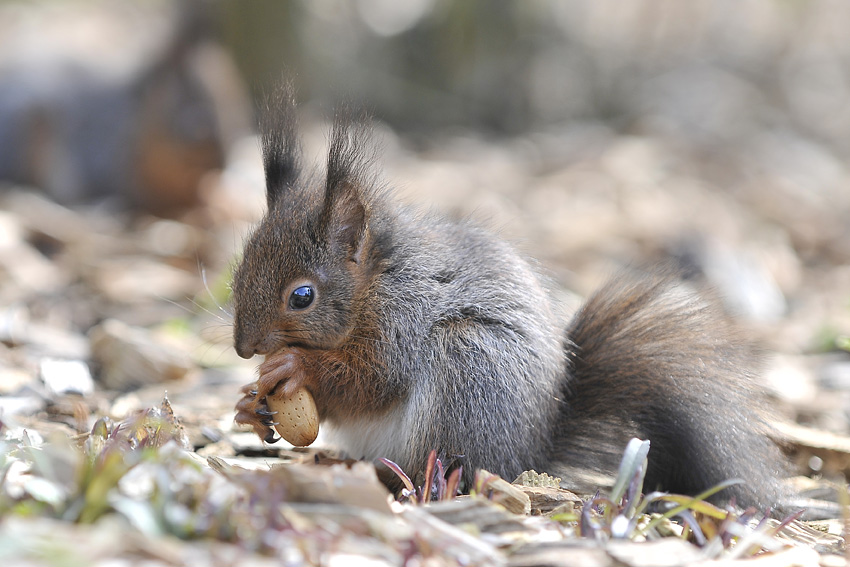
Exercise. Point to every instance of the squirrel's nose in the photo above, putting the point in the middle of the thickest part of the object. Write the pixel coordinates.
(244, 343)
(244, 350)
(249, 340)
(246, 347)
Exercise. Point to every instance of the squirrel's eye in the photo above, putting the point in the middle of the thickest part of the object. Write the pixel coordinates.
(301, 298)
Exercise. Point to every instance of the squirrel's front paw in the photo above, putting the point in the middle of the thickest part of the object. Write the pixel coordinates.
(252, 410)
(282, 372)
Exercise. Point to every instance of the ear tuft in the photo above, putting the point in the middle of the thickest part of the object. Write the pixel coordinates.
(351, 151)
(278, 131)
(345, 211)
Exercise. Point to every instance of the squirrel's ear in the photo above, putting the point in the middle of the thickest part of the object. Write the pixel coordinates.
(345, 211)
(344, 219)
(281, 150)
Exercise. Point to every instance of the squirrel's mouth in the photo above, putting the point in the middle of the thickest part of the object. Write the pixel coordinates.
(284, 337)
(288, 341)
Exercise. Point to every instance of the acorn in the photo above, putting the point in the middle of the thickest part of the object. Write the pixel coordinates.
(297, 419)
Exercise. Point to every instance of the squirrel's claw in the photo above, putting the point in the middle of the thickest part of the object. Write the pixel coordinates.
(252, 410)
(261, 428)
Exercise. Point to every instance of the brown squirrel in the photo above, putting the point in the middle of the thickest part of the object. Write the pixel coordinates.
(415, 333)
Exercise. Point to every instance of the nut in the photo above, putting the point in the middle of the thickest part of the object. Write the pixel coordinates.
(297, 417)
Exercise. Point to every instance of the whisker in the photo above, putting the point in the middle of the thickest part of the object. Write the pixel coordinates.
(178, 305)
(209, 291)
(215, 360)
(197, 305)
(215, 331)
(227, 321)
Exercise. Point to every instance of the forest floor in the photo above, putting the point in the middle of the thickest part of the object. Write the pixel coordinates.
(103, 314)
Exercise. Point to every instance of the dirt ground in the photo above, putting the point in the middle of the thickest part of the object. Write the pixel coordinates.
(142, 302)
(104, 311)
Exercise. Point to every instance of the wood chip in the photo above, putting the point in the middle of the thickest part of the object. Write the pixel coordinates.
(511, 497)
(545, 500)
(357, 485)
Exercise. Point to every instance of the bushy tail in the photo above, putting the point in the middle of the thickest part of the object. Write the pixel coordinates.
(651, 358)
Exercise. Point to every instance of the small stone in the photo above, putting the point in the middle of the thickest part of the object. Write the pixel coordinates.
(12, 379)
(130, 357)
(41, 340)
(835, 374)
(20, 405)
(66, 376)
(138, 279)
(11, 232)
(25, 267)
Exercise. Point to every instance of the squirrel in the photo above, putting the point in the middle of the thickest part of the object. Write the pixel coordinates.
(415, 333)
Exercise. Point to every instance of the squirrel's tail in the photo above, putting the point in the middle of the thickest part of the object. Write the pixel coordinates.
(651, 358)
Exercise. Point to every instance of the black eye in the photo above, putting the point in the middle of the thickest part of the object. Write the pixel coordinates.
(302, 297)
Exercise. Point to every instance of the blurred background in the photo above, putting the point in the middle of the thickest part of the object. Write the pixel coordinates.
(592, 133)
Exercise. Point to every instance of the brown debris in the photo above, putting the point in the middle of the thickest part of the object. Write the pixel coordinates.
(546, 500)
(500, 491)
(131, 357)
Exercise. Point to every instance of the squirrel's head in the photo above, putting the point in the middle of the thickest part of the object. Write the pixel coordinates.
(305, 264)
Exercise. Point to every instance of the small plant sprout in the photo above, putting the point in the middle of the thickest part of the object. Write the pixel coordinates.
(436, 485)
(621, 514)
(624, 514)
